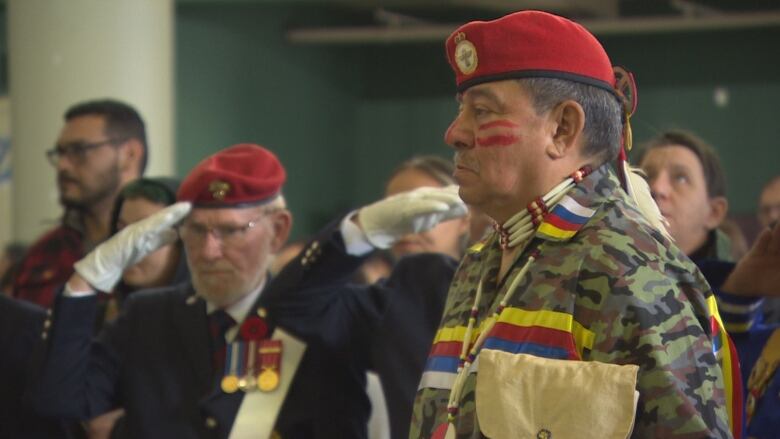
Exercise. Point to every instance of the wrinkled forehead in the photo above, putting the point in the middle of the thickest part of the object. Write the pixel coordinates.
(672, 156)
(223, 215)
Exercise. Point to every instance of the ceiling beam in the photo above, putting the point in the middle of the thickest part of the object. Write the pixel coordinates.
(623, 26)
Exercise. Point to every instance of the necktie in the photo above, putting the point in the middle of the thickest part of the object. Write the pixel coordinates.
(219, 323)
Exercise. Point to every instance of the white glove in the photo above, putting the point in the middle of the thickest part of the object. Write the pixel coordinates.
(387, 220)
(102, 267)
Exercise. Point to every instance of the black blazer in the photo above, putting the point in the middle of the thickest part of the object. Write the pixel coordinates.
(21, 324)
(404, 335)
(393, 323)
(154, 359)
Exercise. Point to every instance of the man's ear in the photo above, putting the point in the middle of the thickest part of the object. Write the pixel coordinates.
(719, 207)
(131, 155)
(566, 124)
(281, 222)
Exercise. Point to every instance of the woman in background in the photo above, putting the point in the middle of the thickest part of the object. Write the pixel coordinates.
(450, 237)
(166, 266)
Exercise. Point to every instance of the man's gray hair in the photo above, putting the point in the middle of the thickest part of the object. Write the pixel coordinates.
(277, 203)
(603, 119)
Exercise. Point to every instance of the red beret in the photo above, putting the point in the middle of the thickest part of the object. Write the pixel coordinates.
(524, 45)
(243, 174)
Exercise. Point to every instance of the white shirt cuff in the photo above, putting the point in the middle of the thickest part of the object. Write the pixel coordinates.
(70, 293)
(355, 240)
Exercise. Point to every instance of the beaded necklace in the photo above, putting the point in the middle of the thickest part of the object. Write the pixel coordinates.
(517, 230)
(521, 226)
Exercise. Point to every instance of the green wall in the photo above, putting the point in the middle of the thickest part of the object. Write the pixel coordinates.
(407, 108)
(341, 118)
(238, 81)
(677, 76)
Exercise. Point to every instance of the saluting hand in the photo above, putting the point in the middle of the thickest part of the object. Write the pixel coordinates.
(389, 219)
(758, 273)
(102, 267)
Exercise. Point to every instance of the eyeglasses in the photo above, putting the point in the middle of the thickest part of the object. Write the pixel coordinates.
(230, 236)
(76, 152)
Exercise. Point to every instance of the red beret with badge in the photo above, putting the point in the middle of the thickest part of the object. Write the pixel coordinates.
(527, 44)
(536, 44)
(241, 175)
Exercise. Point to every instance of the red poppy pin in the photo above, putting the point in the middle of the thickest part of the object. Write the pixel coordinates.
(253, 328)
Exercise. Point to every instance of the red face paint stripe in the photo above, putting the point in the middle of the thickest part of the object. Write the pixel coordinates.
(497, 140)
(498, 123)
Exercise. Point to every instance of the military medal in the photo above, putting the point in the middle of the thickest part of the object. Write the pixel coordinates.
(248, 382)
(252, 330)
(243, 357)
(270, 364)
(230, 384)
(230, 380)
(268, 380)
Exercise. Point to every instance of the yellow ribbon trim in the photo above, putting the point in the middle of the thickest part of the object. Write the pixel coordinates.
(583, 337)
(476, 247)
(734, 328)
(724, 359)
(712, 306)
(550, 230)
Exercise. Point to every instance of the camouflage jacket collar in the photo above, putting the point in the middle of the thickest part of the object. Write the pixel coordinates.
(577, 207)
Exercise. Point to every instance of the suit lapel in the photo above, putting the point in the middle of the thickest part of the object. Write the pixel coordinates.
(229, 404)
(190, 321)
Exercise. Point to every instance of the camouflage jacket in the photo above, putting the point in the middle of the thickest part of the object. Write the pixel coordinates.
(624, 293)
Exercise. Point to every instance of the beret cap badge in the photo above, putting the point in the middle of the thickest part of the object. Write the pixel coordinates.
(465, 54)
(219, 189)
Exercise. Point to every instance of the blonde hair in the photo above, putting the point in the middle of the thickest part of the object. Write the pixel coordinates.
(436, 167)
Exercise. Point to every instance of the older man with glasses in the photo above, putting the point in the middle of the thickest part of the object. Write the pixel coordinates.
(101, 148)
(230, 354)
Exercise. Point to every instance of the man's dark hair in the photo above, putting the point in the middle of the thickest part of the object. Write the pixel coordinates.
(603, 118)
(158, 190)
(122, 121)
(709, 159)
